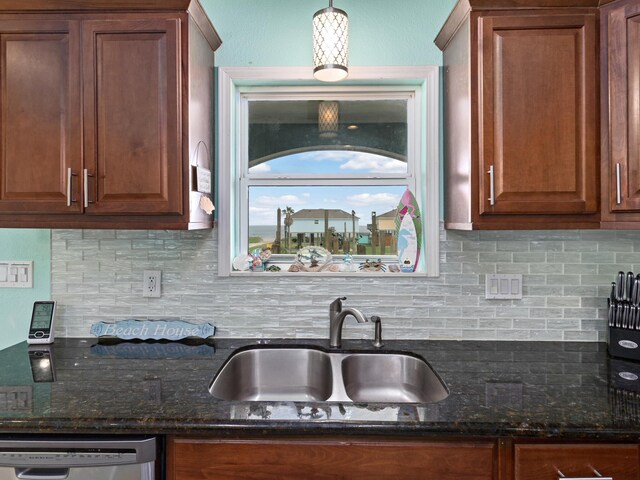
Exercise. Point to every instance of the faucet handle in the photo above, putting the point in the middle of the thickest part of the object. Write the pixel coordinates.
(377, 341)
(336, 305)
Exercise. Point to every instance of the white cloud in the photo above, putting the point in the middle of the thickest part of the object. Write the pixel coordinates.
(266, 201)
(261, 168)
(373, 199)
(374, 164)
(365, 203)
(353, 160)
(324, 155)
(345, 161)
(263, 210)
(262, 216)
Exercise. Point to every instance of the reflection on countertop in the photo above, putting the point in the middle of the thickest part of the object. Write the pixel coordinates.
(550, 389)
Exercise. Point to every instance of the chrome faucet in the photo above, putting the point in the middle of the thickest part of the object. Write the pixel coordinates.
(337, 314)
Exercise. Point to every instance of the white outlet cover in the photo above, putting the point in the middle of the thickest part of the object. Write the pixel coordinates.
(151, 283)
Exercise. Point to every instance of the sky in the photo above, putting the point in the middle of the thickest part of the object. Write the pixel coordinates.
(345, 162)
(264, 201)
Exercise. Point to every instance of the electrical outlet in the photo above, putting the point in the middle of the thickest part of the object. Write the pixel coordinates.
(151, 283)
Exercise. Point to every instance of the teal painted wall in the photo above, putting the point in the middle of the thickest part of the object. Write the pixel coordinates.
(260, 33)
(16, 303)
(278, 32)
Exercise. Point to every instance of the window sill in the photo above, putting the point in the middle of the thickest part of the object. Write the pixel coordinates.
(285, 273)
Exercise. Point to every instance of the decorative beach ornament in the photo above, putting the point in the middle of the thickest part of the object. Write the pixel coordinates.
(409, 232)
(133, 329)
(242, 262)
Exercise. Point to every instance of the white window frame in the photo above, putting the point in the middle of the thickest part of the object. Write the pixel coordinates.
(232, 140)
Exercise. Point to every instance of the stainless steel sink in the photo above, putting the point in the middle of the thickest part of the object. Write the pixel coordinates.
(285, 373)
(391, 378)
(267, 374)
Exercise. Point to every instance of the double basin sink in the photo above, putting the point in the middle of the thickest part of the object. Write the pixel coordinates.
(312, 374)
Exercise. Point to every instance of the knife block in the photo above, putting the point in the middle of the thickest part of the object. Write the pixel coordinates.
(624, 343)
(624, 375)
(624, 389)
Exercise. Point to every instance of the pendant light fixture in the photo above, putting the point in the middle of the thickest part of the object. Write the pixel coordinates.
(328, 119)
(330, 44)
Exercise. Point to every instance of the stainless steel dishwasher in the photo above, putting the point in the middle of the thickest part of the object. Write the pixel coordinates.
(77, 458)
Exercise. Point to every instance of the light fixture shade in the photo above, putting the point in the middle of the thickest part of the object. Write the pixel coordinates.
(330, 44)
(328, 119)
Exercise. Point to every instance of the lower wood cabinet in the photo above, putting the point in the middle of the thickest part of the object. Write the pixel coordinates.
(552, 461)
(384, 458)
(330, 459)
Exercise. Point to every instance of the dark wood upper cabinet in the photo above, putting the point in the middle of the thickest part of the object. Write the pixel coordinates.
(40, 131)
(620, 52)
(132, 128)
(521, 116)
(539, 113)
(99, 121)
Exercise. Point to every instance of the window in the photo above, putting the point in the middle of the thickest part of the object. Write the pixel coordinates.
(312, 176)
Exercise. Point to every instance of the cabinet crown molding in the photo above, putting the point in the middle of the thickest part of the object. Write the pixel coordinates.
(497, 4)
(94, 5)
(463, 8)
(193, 7)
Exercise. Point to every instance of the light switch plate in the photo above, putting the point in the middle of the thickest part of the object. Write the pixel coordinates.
(16, 274)
(502, 286)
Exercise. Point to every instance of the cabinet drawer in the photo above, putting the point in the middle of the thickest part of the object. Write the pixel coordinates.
(544, 462)
(328, 459)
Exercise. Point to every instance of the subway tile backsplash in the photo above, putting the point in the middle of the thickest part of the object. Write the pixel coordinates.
(97, 276)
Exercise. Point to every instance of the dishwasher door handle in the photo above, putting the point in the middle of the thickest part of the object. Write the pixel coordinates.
(42, 473)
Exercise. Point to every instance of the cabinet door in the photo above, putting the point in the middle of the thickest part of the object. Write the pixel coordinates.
(40, 136)
(538, 114)
(352, 460)
(132, 106)
(551, 462)
(623, 58)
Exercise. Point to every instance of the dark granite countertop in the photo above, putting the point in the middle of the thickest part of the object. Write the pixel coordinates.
(519, 389)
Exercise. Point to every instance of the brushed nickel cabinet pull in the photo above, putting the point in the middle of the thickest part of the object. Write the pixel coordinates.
(598, 476)
(492, 192)
(70, 176)
(86, 188)
(618, 185)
